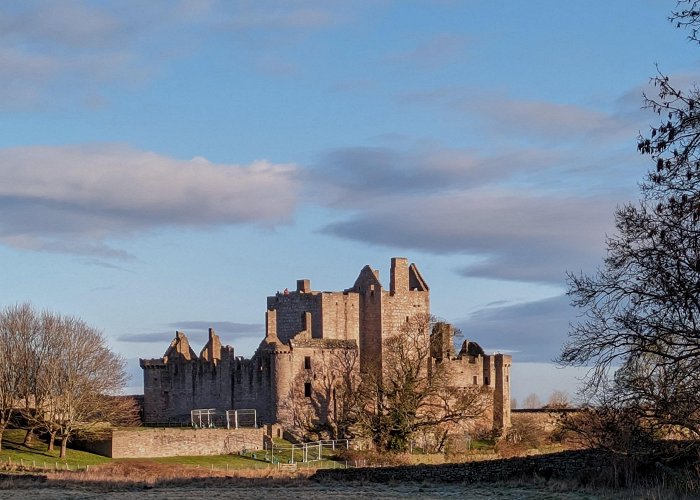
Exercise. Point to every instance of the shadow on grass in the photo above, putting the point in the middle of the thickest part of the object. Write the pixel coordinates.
(29, 450)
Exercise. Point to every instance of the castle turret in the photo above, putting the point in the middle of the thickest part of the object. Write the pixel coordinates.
(501, 395)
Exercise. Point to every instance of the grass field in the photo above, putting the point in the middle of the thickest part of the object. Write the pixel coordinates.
(36, 454)
(14, 453)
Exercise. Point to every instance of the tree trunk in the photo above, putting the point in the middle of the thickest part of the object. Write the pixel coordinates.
(4, 420)
(28, 437)
(64, 446)
(52, 440)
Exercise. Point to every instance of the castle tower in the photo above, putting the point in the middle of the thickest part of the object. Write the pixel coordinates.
(282, 374)
(501, 395)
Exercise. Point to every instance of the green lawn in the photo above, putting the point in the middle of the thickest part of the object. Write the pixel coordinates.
(218, 461)
(14, 452)
(36, 454)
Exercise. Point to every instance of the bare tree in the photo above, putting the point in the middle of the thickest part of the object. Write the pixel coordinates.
(18, 327)
(411, 394)
(331, 408)
(81, 377)
(532, 401)
(59, 373)
(558, 399)
(641, 331)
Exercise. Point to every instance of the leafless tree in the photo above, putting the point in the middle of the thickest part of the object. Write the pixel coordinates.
(558, 399)
(687, 15)
(641, 331)
(59, 373)
(81, 378)
(18, 326)
(332, 406)
(412, 394)
(532, 401)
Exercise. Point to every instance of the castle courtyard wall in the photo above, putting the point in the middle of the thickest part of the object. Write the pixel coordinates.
(173, 442)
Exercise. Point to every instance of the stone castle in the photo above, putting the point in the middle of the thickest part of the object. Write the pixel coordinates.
(304, 329)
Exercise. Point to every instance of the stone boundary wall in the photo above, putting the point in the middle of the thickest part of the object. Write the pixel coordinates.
(546, 419)
(563, 465)
(170, 442)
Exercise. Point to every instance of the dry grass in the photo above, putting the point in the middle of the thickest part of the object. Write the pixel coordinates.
(139, 475)
(153, 480)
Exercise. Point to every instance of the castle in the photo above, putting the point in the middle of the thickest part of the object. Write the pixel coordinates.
(304, 329)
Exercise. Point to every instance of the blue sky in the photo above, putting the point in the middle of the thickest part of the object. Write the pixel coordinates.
(167, 165)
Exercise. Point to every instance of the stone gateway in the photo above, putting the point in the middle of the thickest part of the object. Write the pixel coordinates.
(304, 330)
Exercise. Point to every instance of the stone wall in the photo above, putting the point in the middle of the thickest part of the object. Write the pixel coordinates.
(252, 385)
(172, 390)
(545, 419)
(563, 465)
(290, 309)
(340, 316)
(171, 442)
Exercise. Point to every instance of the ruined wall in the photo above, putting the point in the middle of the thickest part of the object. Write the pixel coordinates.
(172, 390)
(180, 381)
(252, 385)
(473, 368)
(160, 442)
(402, 302)
(290, 309)
(340, 316)
(545, 419)
(466, 371)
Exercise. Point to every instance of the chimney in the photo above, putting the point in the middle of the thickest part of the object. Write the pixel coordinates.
(270, 324)
(399, 275)
(303, 286)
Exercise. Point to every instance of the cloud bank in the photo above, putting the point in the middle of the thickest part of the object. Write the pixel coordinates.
(75, 198)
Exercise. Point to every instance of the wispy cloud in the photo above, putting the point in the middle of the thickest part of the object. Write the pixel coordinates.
(73, 199)
(502, 116)
(59, 52)
(430, 54)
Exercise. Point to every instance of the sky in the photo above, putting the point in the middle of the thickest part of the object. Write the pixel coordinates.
(166, 165)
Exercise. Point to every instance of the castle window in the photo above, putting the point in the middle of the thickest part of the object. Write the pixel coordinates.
(475, 382)
(307, 362)
(486, 381)
(307, 389)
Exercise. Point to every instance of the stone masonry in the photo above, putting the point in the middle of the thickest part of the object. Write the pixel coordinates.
(304, 329)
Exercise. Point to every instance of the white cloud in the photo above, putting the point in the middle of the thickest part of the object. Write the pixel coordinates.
(73, 198)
